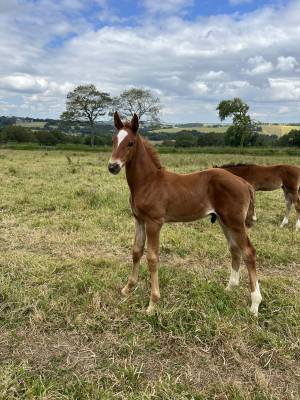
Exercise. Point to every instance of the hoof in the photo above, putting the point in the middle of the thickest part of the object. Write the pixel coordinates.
(284, 222)
(151, 308)
(125, 291)
(254, 311)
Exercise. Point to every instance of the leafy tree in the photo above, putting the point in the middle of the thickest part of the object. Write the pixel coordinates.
(86, 103)
(187, 140)
(244, 130)
(137, 101)
(291, 139)
(15, 133)
(46, 138)
(7, 120)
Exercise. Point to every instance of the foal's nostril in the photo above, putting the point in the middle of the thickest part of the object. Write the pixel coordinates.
(114, 168)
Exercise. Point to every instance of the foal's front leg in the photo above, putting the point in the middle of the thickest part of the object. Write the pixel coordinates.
(137, 252)
(152, 232)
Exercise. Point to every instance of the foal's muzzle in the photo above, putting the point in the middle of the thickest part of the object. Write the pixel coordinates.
(114, 168)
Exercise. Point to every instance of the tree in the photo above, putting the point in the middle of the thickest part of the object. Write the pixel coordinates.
(86, 103)
(16, 133)
(244, 130)
(137, 101)
(290, 139)
(187, 140)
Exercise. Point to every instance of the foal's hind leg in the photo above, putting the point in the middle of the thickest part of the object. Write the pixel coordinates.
(235, 259)
(288, 202)
(249, 255)
(296, 201)
(137, 252)
(297, 207)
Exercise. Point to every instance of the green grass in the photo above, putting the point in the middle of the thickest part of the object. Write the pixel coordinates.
(65, 331)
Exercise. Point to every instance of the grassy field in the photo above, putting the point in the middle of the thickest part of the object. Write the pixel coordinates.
(269, 129)
(65, 331)
(31, 124)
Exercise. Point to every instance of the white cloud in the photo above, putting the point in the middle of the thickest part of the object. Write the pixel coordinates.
(213, 75)
(258, 65)
(286, 63)
(23, 83)
(187, 62)
(285, 89)
(199, 88)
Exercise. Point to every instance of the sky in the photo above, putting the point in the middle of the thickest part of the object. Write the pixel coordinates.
(190, 53)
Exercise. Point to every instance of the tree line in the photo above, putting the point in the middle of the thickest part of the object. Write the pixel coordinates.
(86, 105)
(182, 138)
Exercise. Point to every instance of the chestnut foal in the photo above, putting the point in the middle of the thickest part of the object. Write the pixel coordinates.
(159, 196)
(272, 177)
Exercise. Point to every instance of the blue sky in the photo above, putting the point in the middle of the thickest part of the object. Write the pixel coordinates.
(192, 54)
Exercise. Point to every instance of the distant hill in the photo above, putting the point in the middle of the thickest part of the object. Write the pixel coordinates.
(266, 129)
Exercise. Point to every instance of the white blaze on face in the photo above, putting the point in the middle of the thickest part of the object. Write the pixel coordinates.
(121, 136)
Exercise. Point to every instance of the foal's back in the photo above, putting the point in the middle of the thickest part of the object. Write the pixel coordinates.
(269, 177)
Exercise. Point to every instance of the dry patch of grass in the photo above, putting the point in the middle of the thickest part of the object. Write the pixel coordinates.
(66, 332)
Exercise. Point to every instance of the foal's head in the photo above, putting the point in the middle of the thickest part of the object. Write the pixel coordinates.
(123, 143)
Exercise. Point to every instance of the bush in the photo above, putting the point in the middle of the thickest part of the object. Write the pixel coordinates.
(15, 133)
(291, 139)
(188, 140)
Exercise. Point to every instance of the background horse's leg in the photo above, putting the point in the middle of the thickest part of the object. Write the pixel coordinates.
(137, 252)
(288, 202)
(152, 231)
(236, 253)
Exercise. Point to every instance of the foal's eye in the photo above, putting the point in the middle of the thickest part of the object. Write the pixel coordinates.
(130, 144)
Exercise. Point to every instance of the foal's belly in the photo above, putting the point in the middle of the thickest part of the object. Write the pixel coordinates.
(186, 213)
(269, 186)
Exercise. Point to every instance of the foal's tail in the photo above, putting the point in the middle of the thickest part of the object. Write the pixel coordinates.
(250, 212)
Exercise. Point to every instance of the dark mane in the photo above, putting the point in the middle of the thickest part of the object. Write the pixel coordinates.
(230, 165)
(152, 153)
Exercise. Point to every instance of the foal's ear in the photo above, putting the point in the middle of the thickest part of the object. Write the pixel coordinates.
(135, 123)
(118, 123)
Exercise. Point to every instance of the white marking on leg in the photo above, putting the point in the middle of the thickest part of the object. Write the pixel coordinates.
(254, 217)
(298, 225)
(255, 300)
(121, 136)
(234, 279)
(284, 222)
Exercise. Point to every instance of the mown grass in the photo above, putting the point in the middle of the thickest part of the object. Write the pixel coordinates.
(65, 331)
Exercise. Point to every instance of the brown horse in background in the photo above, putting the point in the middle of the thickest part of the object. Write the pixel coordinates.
(272, 177)
(159, 196)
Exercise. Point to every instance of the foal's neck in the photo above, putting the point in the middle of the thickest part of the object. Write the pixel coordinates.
(141, 168)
